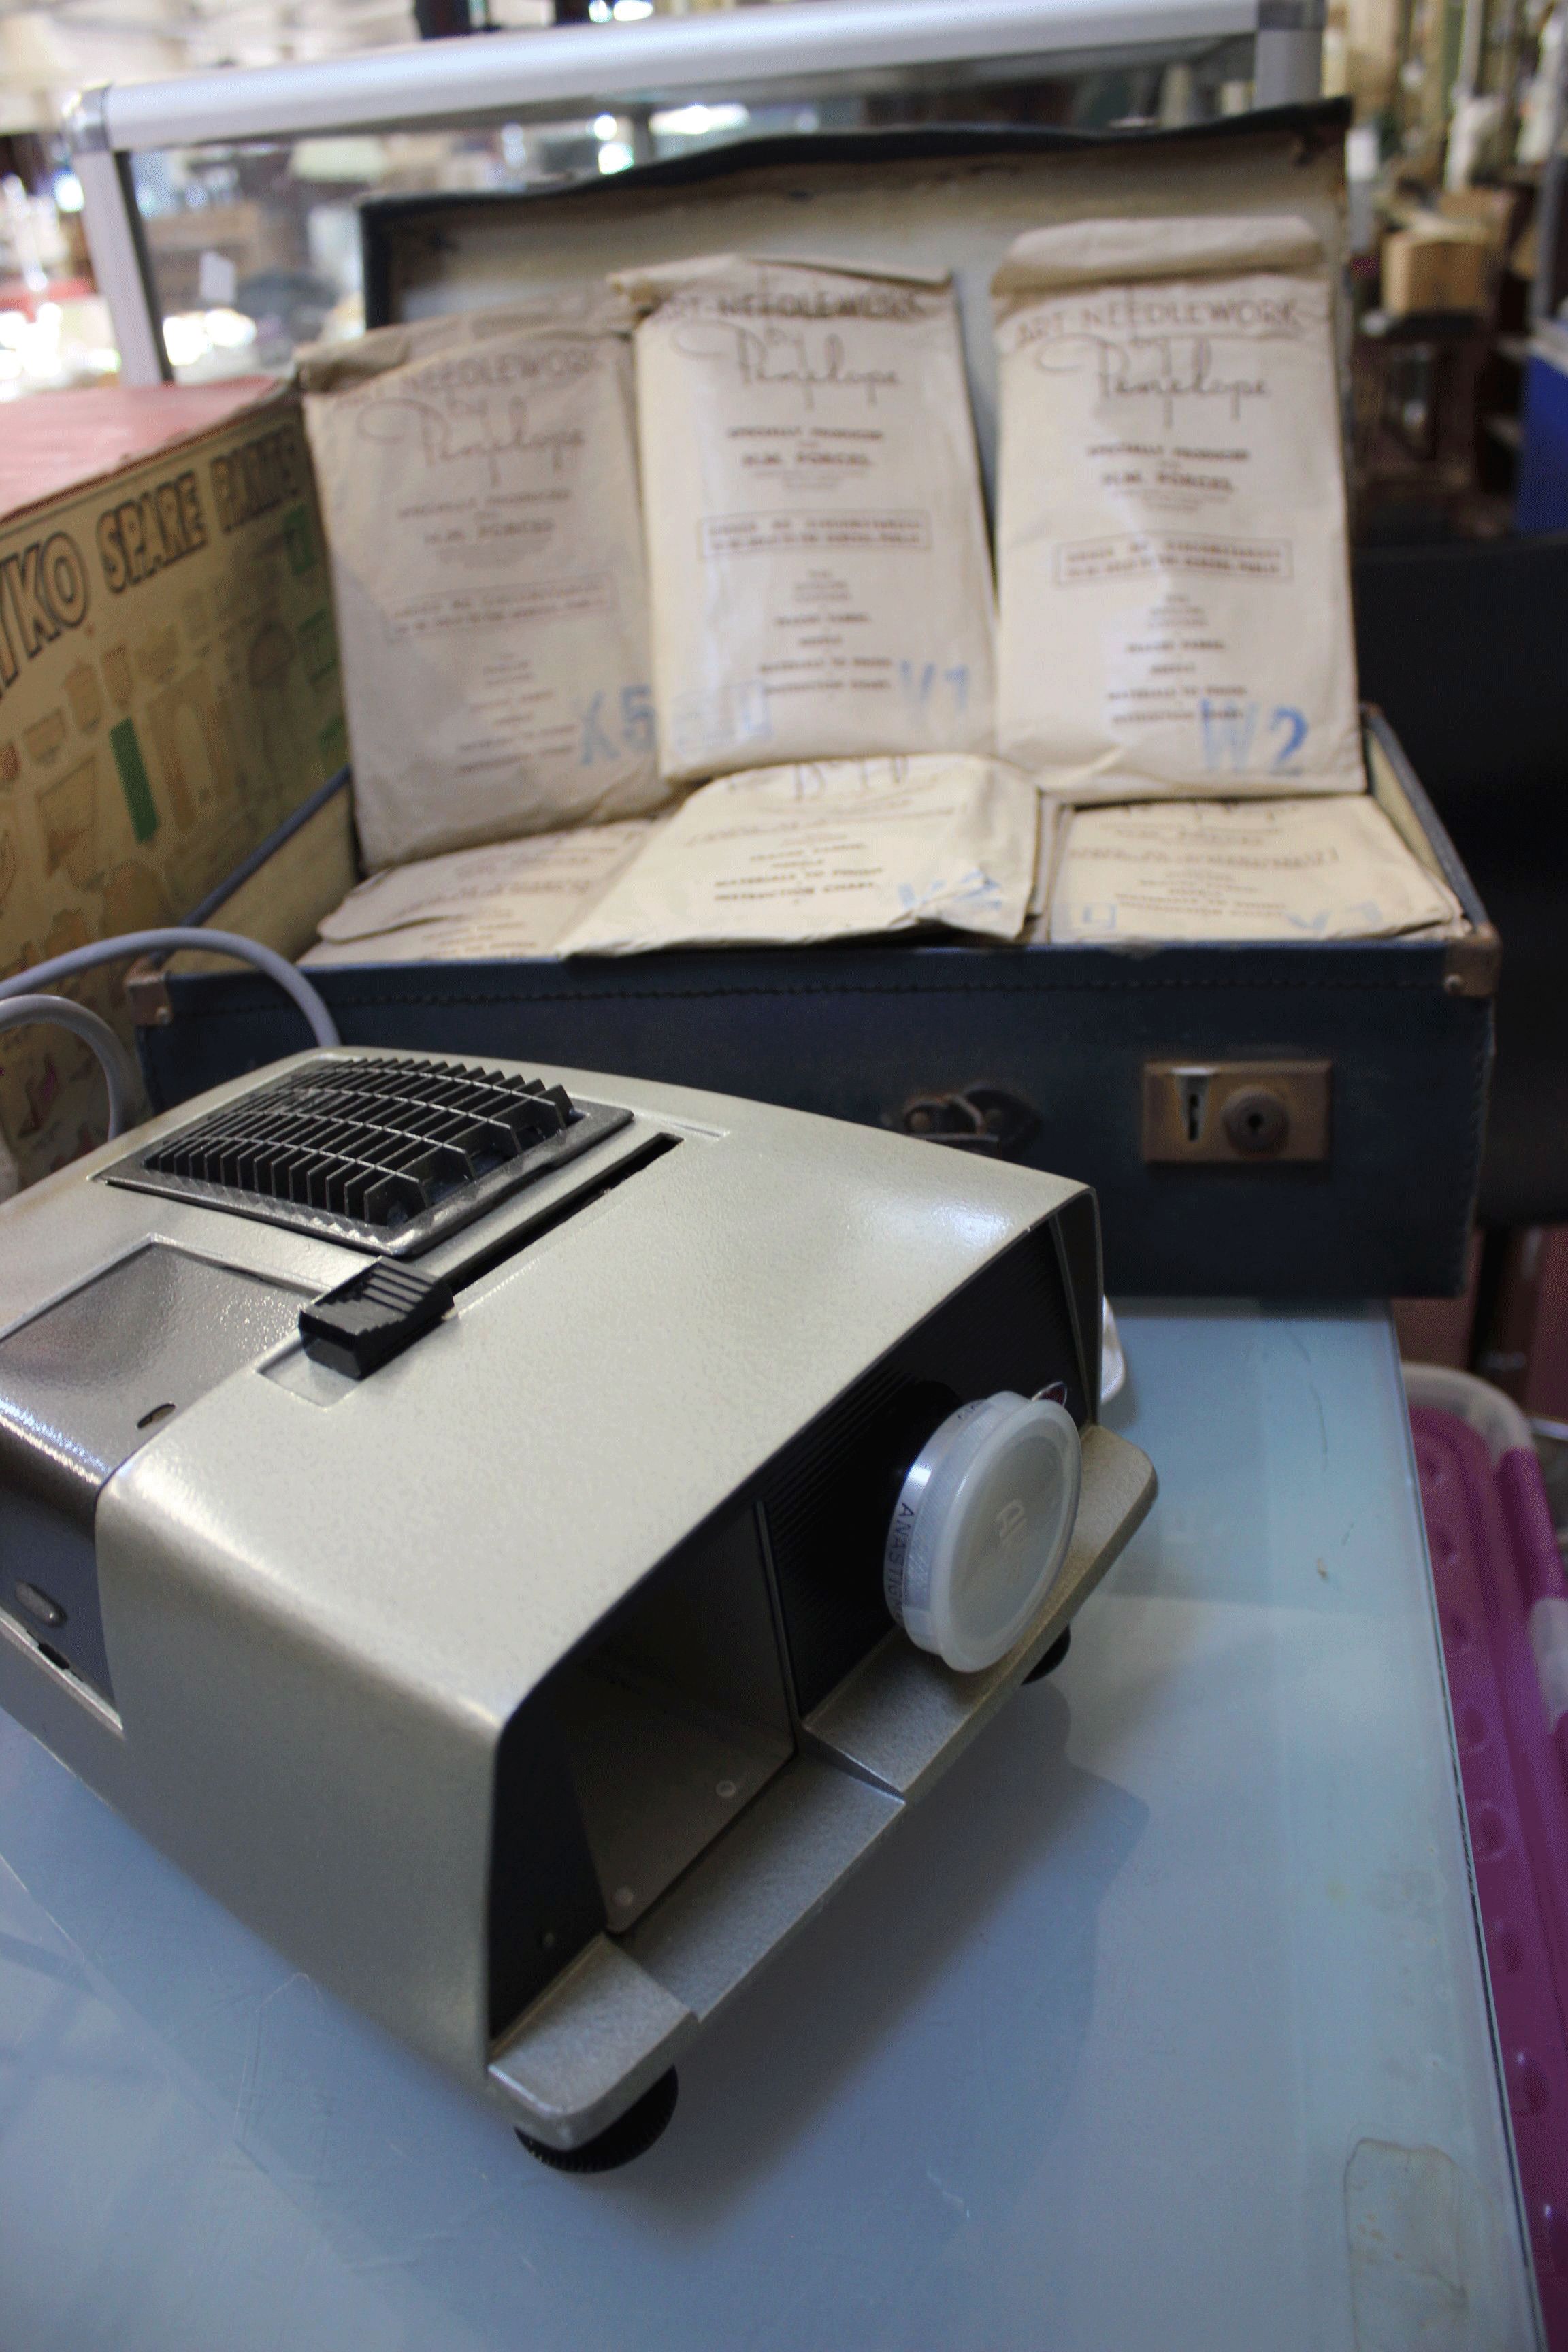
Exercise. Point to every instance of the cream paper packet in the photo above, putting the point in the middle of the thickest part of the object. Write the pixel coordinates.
(792, 855)
(1308, 869)
(514, 898)
(821, 578)
(1171, 511)
(478, 480)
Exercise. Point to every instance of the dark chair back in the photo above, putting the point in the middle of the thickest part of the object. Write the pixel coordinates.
(1466, 647)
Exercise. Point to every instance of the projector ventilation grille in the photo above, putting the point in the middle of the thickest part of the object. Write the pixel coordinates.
(391, 1152)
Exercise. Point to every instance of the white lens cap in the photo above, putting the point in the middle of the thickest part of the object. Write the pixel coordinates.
(982, 1526)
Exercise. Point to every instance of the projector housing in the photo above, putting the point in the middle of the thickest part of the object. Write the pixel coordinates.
(532, 1686)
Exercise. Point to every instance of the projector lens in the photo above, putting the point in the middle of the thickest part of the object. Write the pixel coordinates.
(981, 1528)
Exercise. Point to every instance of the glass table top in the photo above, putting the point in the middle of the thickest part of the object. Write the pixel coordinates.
(1162, 2021)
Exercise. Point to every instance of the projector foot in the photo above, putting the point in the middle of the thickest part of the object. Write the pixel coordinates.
(629, 2137)
(1053, 1657)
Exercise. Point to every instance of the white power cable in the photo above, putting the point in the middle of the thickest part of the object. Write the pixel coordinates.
(19, 1012)
(23, 989)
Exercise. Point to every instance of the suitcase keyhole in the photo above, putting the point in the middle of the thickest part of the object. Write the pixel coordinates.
(1257, 1121)
(1194, 1114)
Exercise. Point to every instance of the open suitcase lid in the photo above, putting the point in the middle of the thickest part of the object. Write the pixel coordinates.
(925, 199)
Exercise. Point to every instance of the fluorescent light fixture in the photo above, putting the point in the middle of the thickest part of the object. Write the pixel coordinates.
(228, 330)
(605, 126)
(185, 339)
(697, 121)
(614, 155)
(712, 54)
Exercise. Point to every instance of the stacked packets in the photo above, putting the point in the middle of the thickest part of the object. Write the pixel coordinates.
(716, 531)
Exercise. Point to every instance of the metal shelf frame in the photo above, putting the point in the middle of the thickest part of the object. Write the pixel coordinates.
(760, 54)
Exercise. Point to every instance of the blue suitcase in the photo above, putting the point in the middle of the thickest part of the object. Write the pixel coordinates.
(1300, 1120)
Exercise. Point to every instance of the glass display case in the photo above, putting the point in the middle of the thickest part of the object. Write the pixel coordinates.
(222, 210)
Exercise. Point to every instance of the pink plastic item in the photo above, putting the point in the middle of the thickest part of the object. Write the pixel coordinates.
(1502, 1606)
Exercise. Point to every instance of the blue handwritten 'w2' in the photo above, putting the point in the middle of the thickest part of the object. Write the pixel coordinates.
(1229, 727)
(1227, 730)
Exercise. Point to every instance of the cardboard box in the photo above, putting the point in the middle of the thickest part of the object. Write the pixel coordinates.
(168, 689)
(1437, 265)
(1492, 210)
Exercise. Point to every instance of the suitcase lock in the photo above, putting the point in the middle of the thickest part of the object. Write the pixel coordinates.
(1236, 1112)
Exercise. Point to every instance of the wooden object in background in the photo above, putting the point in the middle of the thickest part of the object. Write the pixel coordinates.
(1526, 1352)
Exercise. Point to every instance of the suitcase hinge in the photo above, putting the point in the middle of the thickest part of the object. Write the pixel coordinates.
(147, 993)
(1471, 965)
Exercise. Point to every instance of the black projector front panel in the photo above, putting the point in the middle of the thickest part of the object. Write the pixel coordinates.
(634, 1755)
(593, 1811)
(695, 1683)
